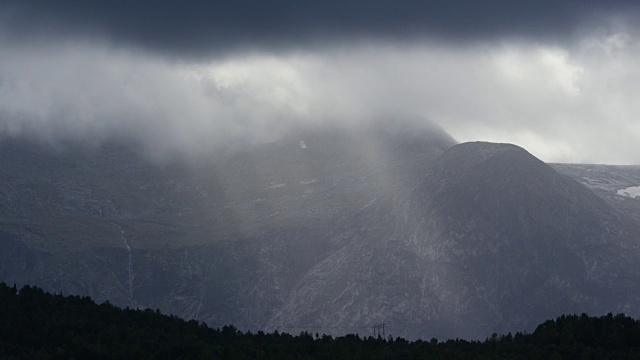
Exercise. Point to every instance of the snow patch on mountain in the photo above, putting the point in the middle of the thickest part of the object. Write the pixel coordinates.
(632, 192)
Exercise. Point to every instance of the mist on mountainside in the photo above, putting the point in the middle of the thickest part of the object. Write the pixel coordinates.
(323, 228)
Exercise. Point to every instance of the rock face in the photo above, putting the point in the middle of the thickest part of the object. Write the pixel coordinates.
(327, 231)
(519, 240)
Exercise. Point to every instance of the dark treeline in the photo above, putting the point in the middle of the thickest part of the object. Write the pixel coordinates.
(38, 325)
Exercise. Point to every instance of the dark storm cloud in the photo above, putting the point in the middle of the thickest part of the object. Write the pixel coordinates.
(202, 27)
(193, 77)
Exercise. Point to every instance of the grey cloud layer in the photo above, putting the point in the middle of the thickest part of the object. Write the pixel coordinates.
(575, 105)
(559, 78)
(204, 27)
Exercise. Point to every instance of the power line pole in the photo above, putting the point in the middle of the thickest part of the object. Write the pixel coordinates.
(378, 330)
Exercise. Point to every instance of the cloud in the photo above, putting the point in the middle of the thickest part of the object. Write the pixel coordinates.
(572, 100)
(564, 104)
(208, 28)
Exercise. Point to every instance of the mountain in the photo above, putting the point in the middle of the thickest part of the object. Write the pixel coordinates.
(328, 230)
(492, 239)
(515, 240)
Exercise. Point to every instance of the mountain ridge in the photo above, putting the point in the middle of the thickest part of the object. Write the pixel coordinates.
(328, 229)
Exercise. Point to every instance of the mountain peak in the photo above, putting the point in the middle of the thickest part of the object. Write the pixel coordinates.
(496, 167)
(478, 152)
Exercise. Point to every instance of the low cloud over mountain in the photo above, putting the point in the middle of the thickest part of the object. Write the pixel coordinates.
(186, 78)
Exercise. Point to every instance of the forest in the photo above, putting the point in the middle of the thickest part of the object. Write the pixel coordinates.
(38, 325)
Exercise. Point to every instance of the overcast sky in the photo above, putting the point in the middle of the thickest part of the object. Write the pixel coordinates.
(560, 78)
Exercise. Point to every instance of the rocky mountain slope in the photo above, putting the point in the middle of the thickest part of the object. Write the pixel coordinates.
(520, 240)
(325, 230)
